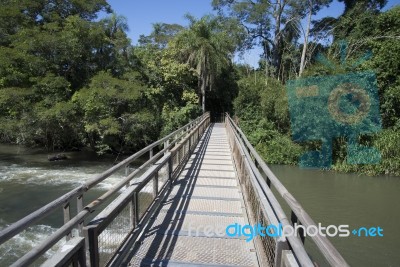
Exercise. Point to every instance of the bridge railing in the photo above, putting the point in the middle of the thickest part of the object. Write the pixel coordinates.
(264, 208)
(73, 250)
(115, 230)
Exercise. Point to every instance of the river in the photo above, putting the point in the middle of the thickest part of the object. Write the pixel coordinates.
(28, 181)
(333, 198)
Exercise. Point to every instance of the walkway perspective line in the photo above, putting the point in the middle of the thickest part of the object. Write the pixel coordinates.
(190, 226)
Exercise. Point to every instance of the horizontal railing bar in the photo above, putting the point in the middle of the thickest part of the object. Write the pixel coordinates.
(188, 136)
(66, 228)
(139, 184)
(124, 249)
(135, 156)
(41, 213)
(40, 249)
(104, 218)
(62, 257)
(156, 202)
(263, 199)
(148, 175)
(201, 118)
(324, 245)
(295, 242)
(263, 190)
(109, 211)
(161, 152)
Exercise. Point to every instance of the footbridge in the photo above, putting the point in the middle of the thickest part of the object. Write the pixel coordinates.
(203, 197)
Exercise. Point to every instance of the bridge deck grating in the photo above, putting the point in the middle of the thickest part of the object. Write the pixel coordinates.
(205, 199)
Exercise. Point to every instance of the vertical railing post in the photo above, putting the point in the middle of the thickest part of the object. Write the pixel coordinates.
(268, 182)
(166, 144)
(135, 209)
(93, 245)
(82, 257)
(67, 217)
(132, 211)
(151, 153)
(190, 143)
(127, 173)
(178, 156)
(170, 170)
(281, 245)
(131, 204)
(126, 169)
(79, 208)
(294, 220)
(155, 185)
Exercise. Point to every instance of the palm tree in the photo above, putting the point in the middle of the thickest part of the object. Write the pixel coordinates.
(206, 48)
(114, 24)
(115, 45)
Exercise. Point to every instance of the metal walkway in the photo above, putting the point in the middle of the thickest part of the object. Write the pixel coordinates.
(175, 209)
(190, 226)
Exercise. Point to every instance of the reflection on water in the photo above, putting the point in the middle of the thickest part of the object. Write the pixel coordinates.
(28, 181)
(355, 200)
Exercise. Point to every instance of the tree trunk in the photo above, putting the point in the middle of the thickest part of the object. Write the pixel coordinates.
(277, 36)
(203, 93)
(303, 54)
(203, 103)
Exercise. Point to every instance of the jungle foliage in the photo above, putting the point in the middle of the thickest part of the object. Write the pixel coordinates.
(69, 79)
(372, 39)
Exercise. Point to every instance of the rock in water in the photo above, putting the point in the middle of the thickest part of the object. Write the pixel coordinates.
(57, 157)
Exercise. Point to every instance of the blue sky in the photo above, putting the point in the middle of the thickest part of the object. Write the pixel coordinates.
(142, 14)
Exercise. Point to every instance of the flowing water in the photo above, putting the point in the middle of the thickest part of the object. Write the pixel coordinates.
(28, 181)
(333, 198)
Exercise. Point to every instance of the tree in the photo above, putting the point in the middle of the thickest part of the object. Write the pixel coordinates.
(113, 50)
(207, 48)
(379, 34)
(266, 23)
(115, 114)
(160, 36)
(363, 5)
(49, 52)
(312, 6)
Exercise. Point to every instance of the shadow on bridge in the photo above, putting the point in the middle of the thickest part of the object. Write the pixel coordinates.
(167, 229)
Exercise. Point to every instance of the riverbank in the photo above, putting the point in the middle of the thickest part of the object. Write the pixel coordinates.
(278, 148)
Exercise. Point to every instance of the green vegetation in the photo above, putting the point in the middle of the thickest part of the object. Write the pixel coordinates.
(262, 104)
(69, 80)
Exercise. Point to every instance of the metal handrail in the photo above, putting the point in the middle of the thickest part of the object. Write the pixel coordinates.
(269, 202)
(78, 192)
(183, 150)
(323, 244)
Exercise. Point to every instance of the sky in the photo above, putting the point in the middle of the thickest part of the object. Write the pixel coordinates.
(142, 15)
